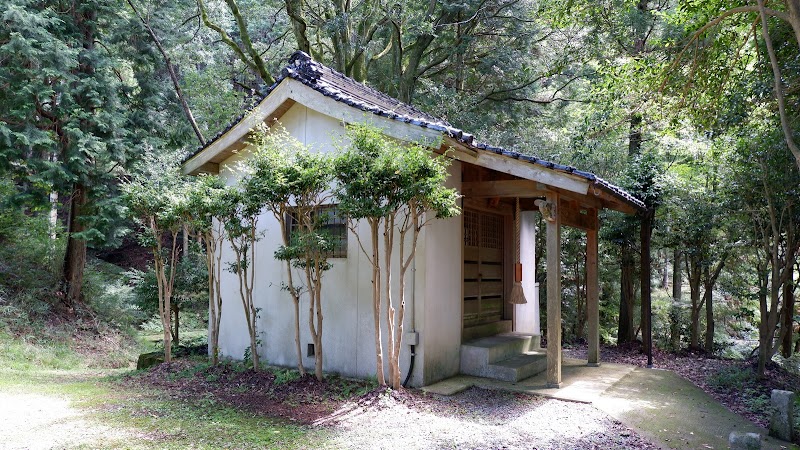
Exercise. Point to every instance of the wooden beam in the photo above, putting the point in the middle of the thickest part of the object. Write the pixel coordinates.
(240, 130)
(595, 198)
(572, 216)
(519, 168)
(209, 167)
(554, 295)
(505, 188)
(593, 295)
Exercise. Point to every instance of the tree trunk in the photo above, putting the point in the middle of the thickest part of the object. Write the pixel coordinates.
(53, 218)
(769, 309)
(388, 244)
(793, 7)
(694, 275)
(626, 303)
(694, 334)
(786, 126)
(675, 310)
(376, 302)
(294, 9)
(213, 312)
(764, 336)
(75, 255)
(176, 324)
(709, 294)
(788, 319)
(318, 340)
(297, 347)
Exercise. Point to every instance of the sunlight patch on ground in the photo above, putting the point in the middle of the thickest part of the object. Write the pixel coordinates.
(33, 421)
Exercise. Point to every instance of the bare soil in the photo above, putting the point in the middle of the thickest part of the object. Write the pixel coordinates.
(34, 421)
(302, 400)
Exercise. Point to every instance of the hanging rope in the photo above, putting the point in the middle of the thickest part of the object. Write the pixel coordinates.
(517, 293)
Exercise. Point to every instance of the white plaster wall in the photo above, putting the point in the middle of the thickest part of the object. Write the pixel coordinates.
(440, 279)
(526, 317)
(348, 330)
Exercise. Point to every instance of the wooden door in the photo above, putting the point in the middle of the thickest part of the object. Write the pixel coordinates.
(483, 268)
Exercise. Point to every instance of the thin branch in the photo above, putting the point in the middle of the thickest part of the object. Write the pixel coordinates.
(779, 96)
(172, 75)
(223, 35)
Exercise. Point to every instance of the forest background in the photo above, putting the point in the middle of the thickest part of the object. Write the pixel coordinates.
(690, 105)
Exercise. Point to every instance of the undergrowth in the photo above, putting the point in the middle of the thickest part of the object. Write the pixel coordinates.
(745, 383)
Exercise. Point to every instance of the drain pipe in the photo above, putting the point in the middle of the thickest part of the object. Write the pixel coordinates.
(413, 320)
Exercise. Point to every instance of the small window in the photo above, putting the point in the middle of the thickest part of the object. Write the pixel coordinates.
(334, 225)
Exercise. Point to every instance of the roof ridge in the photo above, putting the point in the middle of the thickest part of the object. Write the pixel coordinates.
(304, 68)
(341, 88)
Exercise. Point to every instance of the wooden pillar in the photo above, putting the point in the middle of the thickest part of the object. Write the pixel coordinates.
(553, 293)
(593, 293)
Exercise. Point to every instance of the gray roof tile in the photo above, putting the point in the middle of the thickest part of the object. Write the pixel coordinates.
(341, 88)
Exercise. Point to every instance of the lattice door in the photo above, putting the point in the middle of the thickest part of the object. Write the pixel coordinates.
(483, 268)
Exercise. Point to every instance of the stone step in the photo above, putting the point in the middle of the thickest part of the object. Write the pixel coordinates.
(477, 355)
(518, 367)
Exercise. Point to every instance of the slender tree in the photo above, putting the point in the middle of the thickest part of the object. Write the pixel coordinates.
(397, 188)
(764, 184)
(241, 229)
(156, 200)
(294, 184)
(209, 207)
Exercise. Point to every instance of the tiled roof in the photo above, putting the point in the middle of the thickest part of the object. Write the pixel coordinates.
(341, 88)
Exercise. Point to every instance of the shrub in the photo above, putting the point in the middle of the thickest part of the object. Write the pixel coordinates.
(190, 294)
(108, 291)
(733, 378)
(284, 376)
(29, 261)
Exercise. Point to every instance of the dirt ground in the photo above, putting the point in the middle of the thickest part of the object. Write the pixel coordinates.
(340, 413)
(356, 419)
(35, 421)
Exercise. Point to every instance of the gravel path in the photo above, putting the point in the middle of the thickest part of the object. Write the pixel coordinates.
(476, 419)
(32, 421)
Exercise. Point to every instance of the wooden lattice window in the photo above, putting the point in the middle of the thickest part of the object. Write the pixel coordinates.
(491, 231)
(471, 238)
(334, 226)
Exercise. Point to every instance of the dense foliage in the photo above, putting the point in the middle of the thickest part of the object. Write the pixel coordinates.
(690, 105)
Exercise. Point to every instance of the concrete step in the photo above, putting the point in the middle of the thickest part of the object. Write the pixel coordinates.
(477, 355)
(488, 329)
(518, 367)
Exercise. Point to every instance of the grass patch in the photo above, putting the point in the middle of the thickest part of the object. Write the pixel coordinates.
(66, 347)
(24, 354)
(200, 423)
(138, 417)
(155, 419)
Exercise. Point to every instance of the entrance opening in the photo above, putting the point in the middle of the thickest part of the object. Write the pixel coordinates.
(484, 269)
